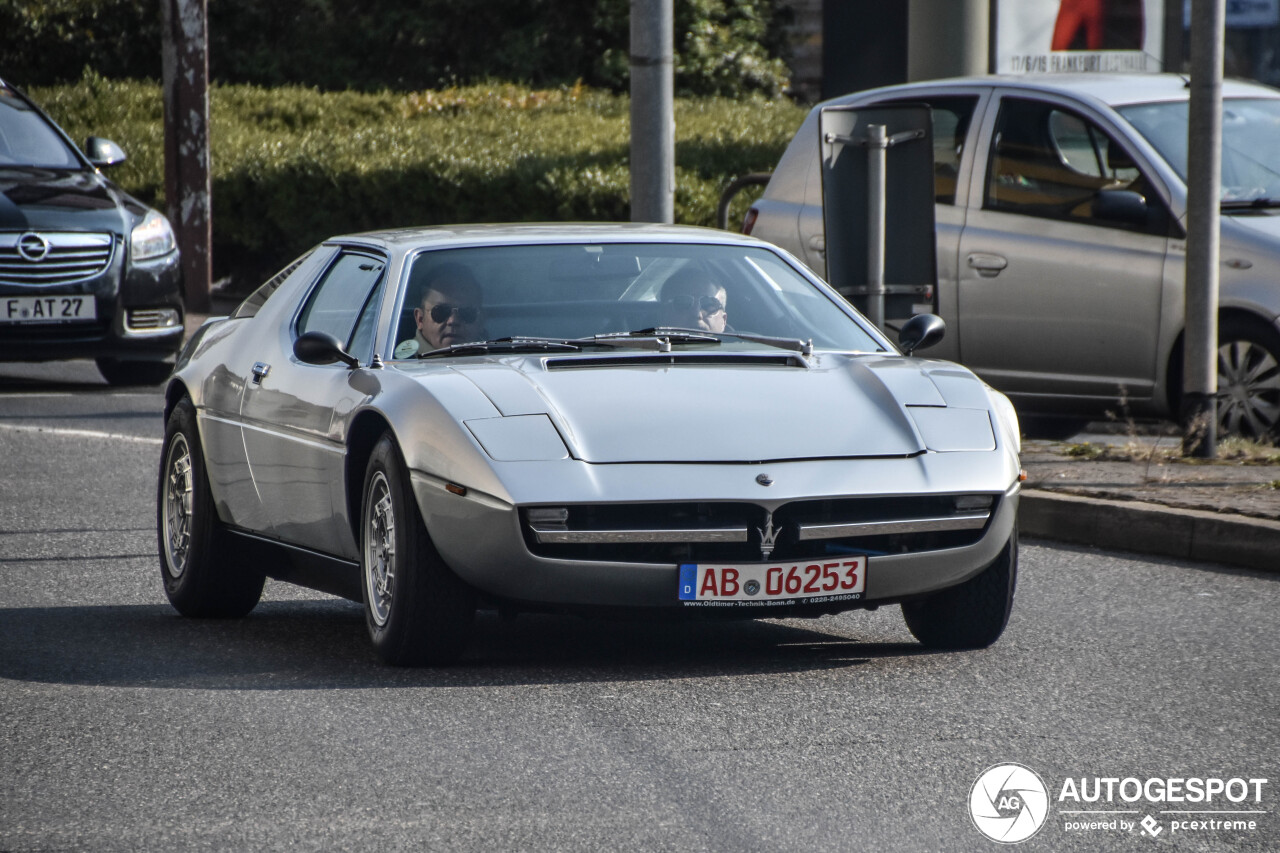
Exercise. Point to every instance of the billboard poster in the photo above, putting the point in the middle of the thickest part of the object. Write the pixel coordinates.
(1042, 36)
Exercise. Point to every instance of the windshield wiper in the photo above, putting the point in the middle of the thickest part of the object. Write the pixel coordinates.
(692, 336)
(1261, 203)
(511, 344)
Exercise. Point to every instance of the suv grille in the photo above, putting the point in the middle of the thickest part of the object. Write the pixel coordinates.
(48, 259)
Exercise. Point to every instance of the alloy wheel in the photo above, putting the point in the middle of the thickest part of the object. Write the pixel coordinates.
(178, 487)
(379, 549)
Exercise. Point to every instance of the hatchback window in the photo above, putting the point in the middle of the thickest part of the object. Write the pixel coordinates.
(951, 119)
(1048, 161)
(26, 139)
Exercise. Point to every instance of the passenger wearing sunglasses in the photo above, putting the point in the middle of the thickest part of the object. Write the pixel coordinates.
(449, 312)
(692, 299)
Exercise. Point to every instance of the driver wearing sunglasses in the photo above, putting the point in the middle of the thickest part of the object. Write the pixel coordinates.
(692, 299)
(448, 313)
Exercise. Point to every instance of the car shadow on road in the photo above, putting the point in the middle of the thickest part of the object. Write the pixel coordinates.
(308, 645)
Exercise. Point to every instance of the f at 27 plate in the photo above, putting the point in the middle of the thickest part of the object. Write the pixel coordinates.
(760, 583)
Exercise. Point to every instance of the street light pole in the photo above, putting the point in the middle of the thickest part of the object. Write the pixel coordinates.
(653, 133)
(1204, 193)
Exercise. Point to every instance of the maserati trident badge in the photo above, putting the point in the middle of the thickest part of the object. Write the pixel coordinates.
(768, 536)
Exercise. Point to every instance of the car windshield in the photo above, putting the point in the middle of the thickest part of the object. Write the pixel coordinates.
(615, 295)
(26, 139)
(1250, 154)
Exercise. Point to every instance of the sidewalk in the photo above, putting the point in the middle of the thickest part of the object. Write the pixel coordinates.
(1132, 493)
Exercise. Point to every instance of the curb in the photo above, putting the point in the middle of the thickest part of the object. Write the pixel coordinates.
(1189, 534)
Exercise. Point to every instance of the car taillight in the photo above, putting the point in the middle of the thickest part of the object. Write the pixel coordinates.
(749, 221)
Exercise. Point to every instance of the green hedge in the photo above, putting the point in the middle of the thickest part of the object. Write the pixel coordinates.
(723, 47)
(293, 166)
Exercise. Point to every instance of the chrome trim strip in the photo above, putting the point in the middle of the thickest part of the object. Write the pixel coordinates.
(552, 536)
(964, 521)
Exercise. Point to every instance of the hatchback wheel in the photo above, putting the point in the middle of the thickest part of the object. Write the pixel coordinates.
(1248, 380)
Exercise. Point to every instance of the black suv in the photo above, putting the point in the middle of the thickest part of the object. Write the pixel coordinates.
(86, 270)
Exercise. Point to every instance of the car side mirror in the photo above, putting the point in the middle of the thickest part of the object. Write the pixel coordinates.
(103, 152)
(921, 332)
(322, 348)
(1124, 206)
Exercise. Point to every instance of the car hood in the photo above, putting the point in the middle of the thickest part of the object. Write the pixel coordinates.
(730, 409)
(1266, 223)
(59, 200)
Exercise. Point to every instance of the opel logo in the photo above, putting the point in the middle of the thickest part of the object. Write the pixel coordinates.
(33, 247)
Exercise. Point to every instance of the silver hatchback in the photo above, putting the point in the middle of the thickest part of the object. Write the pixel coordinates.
(1061, 210)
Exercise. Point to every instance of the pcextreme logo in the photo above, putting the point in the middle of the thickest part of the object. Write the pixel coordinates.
(1010, 803)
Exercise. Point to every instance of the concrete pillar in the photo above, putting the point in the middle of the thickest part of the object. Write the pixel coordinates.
(947, 38)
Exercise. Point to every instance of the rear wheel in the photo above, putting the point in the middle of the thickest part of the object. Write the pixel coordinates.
(202, 577)
(417, 610)
(971, 615)
(122, 372)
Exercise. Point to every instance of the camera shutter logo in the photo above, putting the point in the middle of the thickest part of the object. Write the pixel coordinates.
(1009, 803)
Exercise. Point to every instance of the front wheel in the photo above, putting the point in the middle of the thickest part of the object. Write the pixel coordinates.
(971, 615)
(1248, 379)
(417, 610)
(202, 577)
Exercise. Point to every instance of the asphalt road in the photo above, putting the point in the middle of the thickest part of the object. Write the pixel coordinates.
(126, 727)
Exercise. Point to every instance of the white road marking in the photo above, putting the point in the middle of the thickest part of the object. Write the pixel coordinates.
(82, 433)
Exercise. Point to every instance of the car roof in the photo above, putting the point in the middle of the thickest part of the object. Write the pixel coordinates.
(1112, 89)
(528, 233)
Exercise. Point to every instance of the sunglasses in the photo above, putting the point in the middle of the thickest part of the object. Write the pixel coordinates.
(703, 304)
(441, 313)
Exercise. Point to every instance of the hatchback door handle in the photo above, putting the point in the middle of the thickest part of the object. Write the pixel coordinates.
(987, 265)
(260, 371)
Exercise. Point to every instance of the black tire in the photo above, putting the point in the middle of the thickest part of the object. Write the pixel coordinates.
(202, 576)
(1248, 378)
(971, 615)
(126, 373)
(417, 610)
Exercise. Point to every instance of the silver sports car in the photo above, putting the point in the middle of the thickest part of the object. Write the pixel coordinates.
(590, 418)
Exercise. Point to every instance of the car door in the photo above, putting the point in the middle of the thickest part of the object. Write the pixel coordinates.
(1061, 266)
(293, 413)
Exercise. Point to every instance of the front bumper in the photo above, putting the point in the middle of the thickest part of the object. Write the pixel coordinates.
(139, 316)
(482, 538)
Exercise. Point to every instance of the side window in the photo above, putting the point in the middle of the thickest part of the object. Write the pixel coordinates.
(345, 297)
(1048, 161)
(249, 307)
(951, 119)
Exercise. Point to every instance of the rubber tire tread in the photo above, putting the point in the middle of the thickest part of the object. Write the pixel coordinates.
(432, 609)
(971, 615)
(217, 583)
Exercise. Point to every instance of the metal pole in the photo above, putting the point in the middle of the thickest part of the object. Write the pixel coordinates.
(1204, 192)
(653, 127)
(877, 155)
(187, 186)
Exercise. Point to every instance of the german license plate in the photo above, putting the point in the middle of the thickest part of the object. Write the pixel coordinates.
(746, 584)
(47, 309)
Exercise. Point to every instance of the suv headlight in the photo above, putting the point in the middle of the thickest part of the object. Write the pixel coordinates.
(151, 238)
